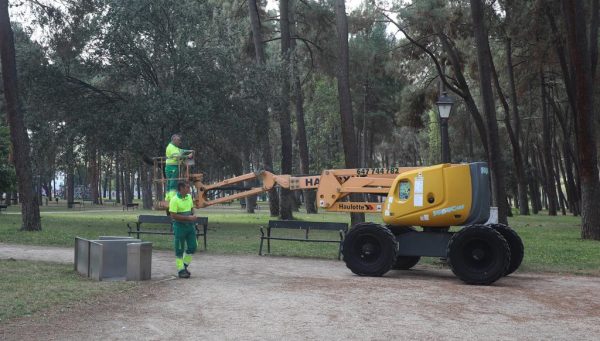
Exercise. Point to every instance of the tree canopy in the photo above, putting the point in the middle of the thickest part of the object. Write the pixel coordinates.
(103, 84)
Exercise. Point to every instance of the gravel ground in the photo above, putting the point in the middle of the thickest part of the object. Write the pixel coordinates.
(275, 298)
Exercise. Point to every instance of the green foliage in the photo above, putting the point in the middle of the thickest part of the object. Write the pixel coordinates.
(119, 77)
(8, 177)
(322, 125)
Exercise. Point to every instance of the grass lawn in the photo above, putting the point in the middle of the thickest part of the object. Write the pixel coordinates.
(27, 287)
(552, 244)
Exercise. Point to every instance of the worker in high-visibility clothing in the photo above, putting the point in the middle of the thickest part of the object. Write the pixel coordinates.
(175, 157)
(182, 214)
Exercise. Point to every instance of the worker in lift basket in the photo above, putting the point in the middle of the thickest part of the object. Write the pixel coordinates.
(181, 208)
(175, 157)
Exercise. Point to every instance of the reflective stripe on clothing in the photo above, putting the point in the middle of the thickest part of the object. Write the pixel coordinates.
(187, 258)
(179, 263)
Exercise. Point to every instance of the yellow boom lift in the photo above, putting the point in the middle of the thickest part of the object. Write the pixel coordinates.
(433, 198)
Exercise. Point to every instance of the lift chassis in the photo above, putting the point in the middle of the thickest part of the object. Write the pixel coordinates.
(433, 198)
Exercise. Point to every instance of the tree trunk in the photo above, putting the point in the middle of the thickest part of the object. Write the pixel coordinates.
(309, 195)
(495, 156)
(521, 191)
(466, 92)
(586, 136)
(117, 178)
(570, 181)
(105, 186)
(93, 173)
(128, 184)
(547, 151)
(286, 196)
(534, 192)
(516, 119)
(131, 182)
(561, 196)
(138, 183)
(250, 201)
(594, 23)
(30, 210)
(70, 173)
(346, 117)
(568, 154)
(256, 31)
(265, 122)
(146, 184)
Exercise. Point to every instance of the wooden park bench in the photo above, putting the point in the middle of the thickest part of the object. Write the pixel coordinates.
(74, 203)
(109, 201)
(133, 206)
(243, 205)
(88, 201)
(306, 226)
(3, 207)
(139, 227)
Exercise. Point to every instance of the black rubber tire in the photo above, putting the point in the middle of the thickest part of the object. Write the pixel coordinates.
(369, 249)
(478, 254)
(517, 250)
(404, 262)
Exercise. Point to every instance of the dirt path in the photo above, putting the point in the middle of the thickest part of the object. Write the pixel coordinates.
(251, 297)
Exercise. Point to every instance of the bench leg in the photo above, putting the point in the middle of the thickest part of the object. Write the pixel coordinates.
(269, 240)
(261, 245)
(205, 230)
(340, 247)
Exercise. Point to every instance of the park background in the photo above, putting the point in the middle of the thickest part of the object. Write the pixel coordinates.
(102, 85)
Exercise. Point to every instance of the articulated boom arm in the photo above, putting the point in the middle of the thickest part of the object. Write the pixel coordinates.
(332, 187)
(267, 179)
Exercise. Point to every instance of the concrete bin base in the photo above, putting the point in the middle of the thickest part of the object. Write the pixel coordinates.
(113, 258)
(139, 261)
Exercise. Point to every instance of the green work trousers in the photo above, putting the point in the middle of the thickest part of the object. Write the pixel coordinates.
(172, 173)
(185, 239)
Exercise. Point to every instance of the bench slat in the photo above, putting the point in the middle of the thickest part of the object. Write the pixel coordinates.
(199, 233)
(306, 226)
(305, 240)
(313, 225)
(158, 219)
(154, 219)
(143, 221)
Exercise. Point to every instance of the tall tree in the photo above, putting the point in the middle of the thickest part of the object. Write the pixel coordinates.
(286, 197)
(489, 108)
(263, 125)
(547, 150)
(30, 211)
(309, 195)
(514, 130)
(582, 66)
(343, 79)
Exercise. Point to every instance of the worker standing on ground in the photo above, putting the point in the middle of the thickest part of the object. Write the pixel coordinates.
(175, 157)
(182, 215)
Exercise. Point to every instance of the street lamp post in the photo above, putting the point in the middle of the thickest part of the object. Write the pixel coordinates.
(444, 104)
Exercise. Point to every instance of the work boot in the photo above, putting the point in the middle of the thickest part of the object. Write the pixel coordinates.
(184, 274)
(186, 270)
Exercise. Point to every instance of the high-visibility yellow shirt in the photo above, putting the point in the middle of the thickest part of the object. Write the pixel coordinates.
(183, 206)
(173, 154)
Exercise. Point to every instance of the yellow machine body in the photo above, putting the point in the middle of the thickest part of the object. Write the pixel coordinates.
(439, 196)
